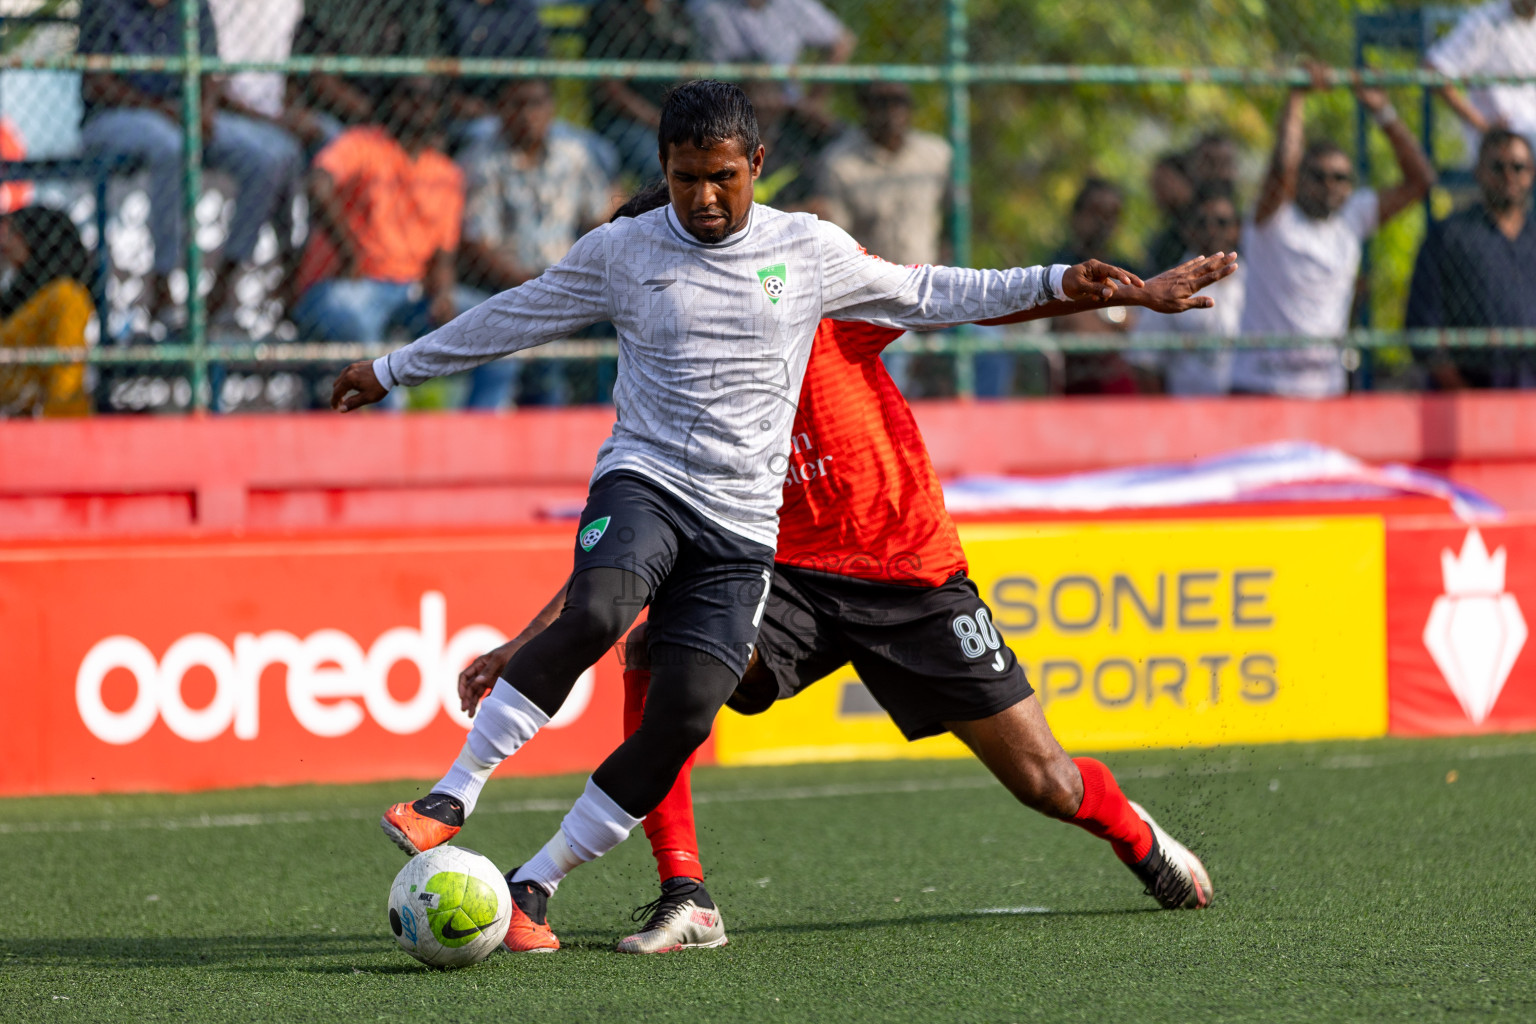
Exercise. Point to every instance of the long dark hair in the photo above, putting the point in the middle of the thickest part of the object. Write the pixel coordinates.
(56, 251)
(650, 197)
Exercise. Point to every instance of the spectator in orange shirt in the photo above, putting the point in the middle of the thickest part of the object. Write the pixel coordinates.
(13, 194)
(387, 205)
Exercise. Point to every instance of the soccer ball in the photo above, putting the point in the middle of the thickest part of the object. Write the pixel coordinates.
(449, 907)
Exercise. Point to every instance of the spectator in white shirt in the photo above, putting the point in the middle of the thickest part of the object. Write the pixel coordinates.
(1304, 244)
(1212, 225)
(1497, 38)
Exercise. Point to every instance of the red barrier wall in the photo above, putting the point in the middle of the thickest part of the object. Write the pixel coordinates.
(140, 476)
(246, 600)
(193, 663)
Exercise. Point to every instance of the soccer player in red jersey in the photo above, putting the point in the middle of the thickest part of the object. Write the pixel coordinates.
(869, 570)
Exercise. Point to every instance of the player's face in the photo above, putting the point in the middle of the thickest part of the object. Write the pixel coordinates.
(711, 188)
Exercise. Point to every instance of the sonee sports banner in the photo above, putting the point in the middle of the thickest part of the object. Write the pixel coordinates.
(1148, 634)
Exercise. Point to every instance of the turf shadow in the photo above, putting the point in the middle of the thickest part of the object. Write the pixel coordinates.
(966, 917)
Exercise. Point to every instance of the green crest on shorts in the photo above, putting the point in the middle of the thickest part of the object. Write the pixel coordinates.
(592, 533)
(775, 281)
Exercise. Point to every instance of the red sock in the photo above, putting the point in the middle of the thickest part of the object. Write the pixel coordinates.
(1108, 814)
(674, 842)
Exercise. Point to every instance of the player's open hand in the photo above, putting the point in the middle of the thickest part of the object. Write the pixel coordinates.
(1173, 291)
(356, 387)
(1096, 281)
(479, 678)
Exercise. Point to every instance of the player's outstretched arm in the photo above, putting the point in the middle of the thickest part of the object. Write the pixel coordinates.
(1172, 291)
(559, 302)
(858, 286)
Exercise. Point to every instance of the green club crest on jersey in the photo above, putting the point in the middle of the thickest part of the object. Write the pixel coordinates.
(592, 533)
(775, 280)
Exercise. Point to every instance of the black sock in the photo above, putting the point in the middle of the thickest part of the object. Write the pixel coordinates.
(699, 894)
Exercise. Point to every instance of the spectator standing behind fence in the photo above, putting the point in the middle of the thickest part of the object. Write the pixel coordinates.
(1304, 244)
(627, 112)
(45, 304)
(1497, 38)
(138, 114)
(886, 183)
(1211, 225)
(386, 211)
(1172, 192)
(1093, 225)
(1478, 269)
(531, 194)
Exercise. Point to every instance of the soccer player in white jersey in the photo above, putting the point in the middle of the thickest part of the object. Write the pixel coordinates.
(716, 301)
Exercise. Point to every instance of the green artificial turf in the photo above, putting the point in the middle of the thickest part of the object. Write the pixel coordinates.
(1353, 880)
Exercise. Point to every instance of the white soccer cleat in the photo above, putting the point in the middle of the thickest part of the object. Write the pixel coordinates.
(1172, 874)
(683, 917)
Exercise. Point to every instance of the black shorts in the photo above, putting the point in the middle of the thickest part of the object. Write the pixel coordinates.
(928, 655)
(707, 585)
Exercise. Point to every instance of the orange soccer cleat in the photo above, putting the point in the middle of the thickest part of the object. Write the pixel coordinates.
(420, 826)
(529, 930)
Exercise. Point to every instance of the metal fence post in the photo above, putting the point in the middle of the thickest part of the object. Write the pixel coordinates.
(955, 74)
(192, 183)
(956, 67)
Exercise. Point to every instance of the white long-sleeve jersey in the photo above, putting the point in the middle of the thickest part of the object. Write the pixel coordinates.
(713, 340)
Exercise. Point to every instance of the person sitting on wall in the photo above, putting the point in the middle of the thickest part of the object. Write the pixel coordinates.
(46, 305)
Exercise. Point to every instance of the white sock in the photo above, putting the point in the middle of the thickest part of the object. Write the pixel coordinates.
(594, 825)
(506, 720)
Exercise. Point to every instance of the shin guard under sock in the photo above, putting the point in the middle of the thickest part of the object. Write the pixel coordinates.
(1108, 814)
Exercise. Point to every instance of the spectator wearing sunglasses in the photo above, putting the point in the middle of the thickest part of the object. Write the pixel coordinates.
(1211, 225)
(1304, 244)
(1478, 269)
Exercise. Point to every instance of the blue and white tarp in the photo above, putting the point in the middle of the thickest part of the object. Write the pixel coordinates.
(1283, 471)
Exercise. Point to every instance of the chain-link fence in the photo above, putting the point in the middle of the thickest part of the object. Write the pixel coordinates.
(215, 203)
